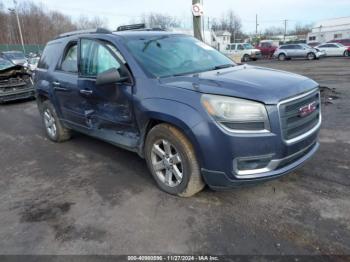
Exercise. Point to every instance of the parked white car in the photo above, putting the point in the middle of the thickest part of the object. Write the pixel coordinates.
(244, 50)
(334, 49)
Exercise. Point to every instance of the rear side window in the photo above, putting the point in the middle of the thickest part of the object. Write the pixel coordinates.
(49, 55)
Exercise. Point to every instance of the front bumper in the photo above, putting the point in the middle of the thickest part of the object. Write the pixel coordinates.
(11, 94)
(256, 56)
(219, 180)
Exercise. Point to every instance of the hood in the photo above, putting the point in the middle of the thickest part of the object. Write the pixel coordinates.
(19, 61)
(255, 83)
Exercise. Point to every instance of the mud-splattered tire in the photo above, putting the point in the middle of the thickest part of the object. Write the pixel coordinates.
(172, 161)
(54, 129)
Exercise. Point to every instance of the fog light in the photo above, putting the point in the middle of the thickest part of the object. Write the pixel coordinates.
(251, 164)
(245, 167)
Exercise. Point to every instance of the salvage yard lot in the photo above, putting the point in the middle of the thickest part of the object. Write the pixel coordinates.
(88, 197)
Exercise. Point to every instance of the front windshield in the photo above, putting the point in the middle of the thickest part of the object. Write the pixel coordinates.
(15, 55)
(166, 56)
(339, 44)
(4, 64)
(248, 46)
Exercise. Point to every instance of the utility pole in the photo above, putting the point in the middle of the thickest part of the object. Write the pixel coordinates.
(285, 30)
(18, 24)
(256, 25)
(197, 23)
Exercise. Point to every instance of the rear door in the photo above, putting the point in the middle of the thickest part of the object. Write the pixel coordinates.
(72, 104)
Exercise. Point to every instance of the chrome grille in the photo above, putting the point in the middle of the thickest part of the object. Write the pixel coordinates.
(293, 125)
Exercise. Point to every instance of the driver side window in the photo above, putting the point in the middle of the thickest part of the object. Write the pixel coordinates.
(96, 58)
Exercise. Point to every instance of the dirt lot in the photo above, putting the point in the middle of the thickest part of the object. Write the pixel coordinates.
(88, 197)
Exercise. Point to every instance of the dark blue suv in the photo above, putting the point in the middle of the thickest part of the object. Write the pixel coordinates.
(194, 115)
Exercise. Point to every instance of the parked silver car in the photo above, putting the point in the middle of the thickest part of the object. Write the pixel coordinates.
(297, 51)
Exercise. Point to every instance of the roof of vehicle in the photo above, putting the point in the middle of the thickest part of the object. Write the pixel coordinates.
(144, 34)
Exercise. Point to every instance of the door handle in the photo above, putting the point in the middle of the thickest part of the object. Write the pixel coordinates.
(57, 86)
(85, 92)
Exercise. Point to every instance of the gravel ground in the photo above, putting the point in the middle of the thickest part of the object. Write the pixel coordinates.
(88, 197)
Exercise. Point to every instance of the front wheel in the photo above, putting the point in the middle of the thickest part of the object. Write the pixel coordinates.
(346, 53)
(245, 58)
(172, 161)
(311, 56)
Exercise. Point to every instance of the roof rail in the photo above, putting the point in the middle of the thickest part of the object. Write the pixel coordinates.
(88, 31)
(131, 27)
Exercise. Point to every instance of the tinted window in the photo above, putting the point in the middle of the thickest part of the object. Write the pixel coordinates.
(97, 58)
(70, 60)
(49, 55)
(240, 47)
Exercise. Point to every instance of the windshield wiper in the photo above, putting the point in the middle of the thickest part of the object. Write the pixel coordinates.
(223, 66)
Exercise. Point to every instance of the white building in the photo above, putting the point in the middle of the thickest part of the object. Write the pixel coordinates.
(332, 29)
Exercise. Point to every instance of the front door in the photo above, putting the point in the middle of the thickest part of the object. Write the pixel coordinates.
(111, 105)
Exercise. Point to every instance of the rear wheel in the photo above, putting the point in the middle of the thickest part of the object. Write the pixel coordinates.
(282, 57)
(55, 131)
(311, 56)
(172, 161)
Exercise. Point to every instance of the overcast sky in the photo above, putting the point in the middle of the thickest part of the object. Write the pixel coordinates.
(270, 12)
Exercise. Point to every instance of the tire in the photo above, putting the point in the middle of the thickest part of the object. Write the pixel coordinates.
(245, 58)
(54, 129)
(181, 176)
(346, 53)
(311, 56)
(282, 57)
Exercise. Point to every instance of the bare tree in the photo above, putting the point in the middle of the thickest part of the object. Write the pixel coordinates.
(273, 30)
(159, 20)
(85, 22)
(229, 22)
(301, 29)
(39, 25)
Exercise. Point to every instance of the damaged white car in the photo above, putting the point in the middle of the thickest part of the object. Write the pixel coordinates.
(15, 82)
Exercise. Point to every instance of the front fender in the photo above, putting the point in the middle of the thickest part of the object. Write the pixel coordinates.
(176, 113)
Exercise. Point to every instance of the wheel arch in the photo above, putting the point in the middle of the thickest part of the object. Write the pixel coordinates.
(179, 115)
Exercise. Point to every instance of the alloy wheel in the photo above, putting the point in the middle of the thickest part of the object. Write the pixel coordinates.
(50, 124)
(167, 163)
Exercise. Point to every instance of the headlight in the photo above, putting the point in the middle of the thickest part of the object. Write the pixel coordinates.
(237, 115)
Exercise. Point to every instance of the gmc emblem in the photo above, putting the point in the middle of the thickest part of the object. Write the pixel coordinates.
(308, 109)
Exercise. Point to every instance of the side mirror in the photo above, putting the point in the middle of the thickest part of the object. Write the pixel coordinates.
(110, 76)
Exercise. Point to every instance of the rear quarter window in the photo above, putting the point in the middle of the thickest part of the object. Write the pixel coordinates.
(49, 55)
